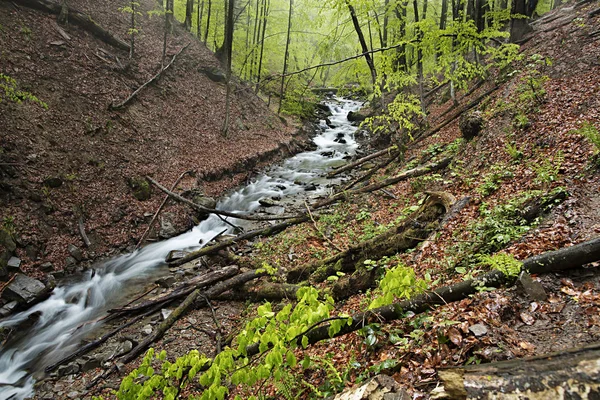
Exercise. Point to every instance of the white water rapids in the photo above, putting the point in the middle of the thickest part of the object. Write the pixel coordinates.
(72, 311)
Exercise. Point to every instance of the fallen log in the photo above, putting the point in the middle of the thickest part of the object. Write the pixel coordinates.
(212, 210)
(193, 284)
(269, 291)
(570, 374)
(414, 230)
(78, 18)
(411, 173)
(361, 161)
(122, 104)
(372, 171)
(271, 230)
(552, 261)
(189, 301)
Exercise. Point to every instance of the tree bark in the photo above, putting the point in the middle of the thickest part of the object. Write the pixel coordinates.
(286, 55)
(360, 161)
(363, 43)
(207, 21)
(228, 47)
(265, 14)
(189, 11)
(572, 374)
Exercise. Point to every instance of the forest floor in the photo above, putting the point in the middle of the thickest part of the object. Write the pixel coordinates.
(76, 160)
(529, 145)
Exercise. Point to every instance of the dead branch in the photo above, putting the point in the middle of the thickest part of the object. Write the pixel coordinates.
(317, 227)
(372, 171)
(78, 18)
(361, 161)
(212, 210)
(173, 187)
(84, 237)
(122, 104)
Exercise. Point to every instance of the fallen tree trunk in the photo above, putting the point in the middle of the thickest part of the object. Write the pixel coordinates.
(193, 284)
(153, 79)
(411, 173)
(558, 260)
(372, 171)
(269, 291)
(361, 161)
(189, 301)
(417, 228)
(271, 230)
(570, 374)
(78, 18)
(203, 209)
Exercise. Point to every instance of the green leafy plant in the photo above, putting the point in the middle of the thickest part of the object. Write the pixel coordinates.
(547, 171)
(505, 263)
(492, 181)
(10, 91)
(514, 152)
(398, 282)
(590, 132)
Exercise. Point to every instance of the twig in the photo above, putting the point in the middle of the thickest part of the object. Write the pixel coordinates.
(218, 332)
(317, 227)
(85, 238)
(160, 209)
(154, 78)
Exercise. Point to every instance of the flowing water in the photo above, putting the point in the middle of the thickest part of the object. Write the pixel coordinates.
(58, 324)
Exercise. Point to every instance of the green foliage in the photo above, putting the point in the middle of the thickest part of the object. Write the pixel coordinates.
(8, 224)
(403, 112)
(492, 181)
(505, 263)
(276, 334)
(548, 169)
(11, 92)
(422, 183)
(531, 90)
(514, 152)
(398, 282)
(590, 132)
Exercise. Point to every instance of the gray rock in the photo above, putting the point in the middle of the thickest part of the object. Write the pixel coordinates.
(165, 312)
(8, 309)
(124, 348)
(478, 330)
(268, 202)
(175, 255)
(14, 264)
(533, 289)
(167, 230)
(70, 262)
(23, 289)
(47, 267)
(140, 188)
(59, 274)
(90, 364)
(69, 369)
(75, 252)
(73, 395)
(147, 330)
(470, 124)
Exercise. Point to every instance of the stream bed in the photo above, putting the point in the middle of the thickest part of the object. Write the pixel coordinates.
(56, 326)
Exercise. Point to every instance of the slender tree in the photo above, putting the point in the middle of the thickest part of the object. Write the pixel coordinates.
(265, 14)
(286, 55)
(363, 43)
(199, 19)
(207, 21)
(228, 47)
(189, 11)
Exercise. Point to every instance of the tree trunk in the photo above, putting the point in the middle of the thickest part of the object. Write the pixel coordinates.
(189, 11)
(419, 35)
(228, 47)
(519, 27)
(363, 43)
(286, 55)
(401, 13)
(199, 19)
(569, 374)
(265, 14)
(207, 21)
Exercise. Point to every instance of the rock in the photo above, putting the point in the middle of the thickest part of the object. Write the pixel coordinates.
(268, 202)
(7, 241)
(46, 267)
(69, 369)
(147, 330)
(59, 274)
(471, 124)
(381, 387)
(166, 282)
(167, 230)
(533, 289)
(310, 187)
(328, 123)
(75, 252)
(70, 262)
(23, 289)
(176, 255)
(90, 364)
(124, 348)
(73, 395)
(165, 312)
(356, 116)
(478, 330)
(53, 182)
(140, 188)
(214, 74)
(14, 264)
(8, 309)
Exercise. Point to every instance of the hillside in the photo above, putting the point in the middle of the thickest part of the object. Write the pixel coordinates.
(76, 160)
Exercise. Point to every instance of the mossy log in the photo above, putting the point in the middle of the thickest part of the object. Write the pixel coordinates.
(78, 18)
(571, 374)
(417, 228)
(269, 291)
